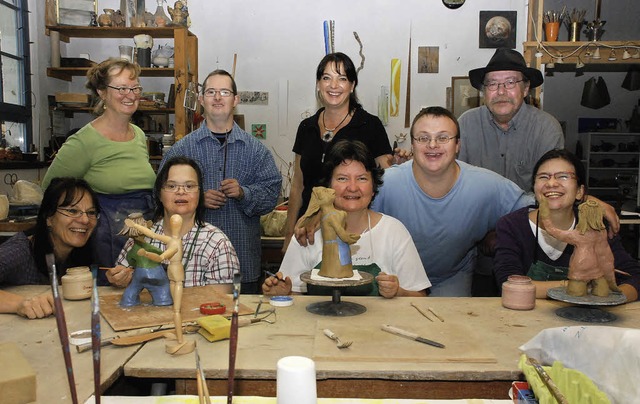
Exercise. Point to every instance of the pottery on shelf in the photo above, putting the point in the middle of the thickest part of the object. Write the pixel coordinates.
(105, 20)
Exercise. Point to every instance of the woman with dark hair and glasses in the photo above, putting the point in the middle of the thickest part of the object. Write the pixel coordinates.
(209, 257)
(341, 117)
(385, 248)
(523, 247)
(67, 217)
(110, 153)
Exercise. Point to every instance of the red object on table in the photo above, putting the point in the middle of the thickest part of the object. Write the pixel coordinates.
(212, 308)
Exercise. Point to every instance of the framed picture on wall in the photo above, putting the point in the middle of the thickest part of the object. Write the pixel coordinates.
(497, 29)
(463, 95)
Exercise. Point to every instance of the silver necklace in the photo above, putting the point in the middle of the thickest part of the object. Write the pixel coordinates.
(329, 133)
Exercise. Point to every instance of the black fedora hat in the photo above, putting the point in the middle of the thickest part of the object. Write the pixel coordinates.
(506, 59)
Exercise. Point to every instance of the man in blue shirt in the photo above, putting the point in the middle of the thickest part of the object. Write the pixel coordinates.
(241, 179)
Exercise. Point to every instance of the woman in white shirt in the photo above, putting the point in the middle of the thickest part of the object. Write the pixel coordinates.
(385, 248)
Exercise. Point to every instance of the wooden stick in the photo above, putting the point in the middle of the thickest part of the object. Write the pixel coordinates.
(553, 389)
(435, 314)
(95, 334)
(63, 332)
(233, 338)
(235, 61)
(407, 111)
(424, 313)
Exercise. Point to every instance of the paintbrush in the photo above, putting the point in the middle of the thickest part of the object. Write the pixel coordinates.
(203, 390)
(233, 339)
(63, 333)
(553, 389)
(95, 334)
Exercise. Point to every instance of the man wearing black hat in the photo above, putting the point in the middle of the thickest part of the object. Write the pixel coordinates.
(506, 135)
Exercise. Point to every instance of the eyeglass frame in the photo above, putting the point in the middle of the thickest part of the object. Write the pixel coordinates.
(211, 92)
(91, 214)
(183, 186)
(508, 84)
(124, 90)
(438, 139)
(571, 176)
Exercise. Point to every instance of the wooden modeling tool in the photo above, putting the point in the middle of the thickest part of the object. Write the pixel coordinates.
(61, 322)
(201, 381)
(435, 314)
(95, 334)
(424, 313)
(403, 333)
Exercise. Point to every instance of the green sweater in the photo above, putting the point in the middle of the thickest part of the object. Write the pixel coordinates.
(109, 167)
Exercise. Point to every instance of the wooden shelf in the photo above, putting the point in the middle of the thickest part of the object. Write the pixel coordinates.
(67, 73)
(67, 31)
(566, 48)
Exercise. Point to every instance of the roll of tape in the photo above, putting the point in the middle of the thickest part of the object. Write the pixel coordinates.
(281, 301)
(80, 337)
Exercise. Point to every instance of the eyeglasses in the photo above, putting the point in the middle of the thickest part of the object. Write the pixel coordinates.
(212, 93)
(441, 139)
(77, 213)
(173, 187)
(508, 85)
(559, 176)
(137, 90)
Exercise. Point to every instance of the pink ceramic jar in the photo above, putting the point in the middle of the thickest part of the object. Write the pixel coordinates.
(519, 293)
(77, 283)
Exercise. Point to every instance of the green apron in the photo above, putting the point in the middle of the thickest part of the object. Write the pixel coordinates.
(370, 289)
(540, 271)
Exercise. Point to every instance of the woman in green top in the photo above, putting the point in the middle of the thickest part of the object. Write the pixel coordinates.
(110, 153)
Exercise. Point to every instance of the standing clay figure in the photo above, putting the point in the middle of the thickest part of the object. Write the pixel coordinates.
(147, 274)
(336, 255)
(175, 271)
(178, 13)
(592, 259)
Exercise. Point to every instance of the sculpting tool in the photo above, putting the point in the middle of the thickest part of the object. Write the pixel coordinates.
(435, 314)
(203, 390)
(233, 338)
(553, 389)
(402, 333)
(95, 334)
(61, 322)
(424, 313)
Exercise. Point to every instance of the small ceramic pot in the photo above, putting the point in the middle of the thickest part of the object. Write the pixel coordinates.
(77, 284)
(519, 293)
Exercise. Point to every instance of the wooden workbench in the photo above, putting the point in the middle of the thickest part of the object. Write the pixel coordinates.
(39, 342)
(482, 322)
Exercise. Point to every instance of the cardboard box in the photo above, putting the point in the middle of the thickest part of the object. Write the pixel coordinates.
(73, 98)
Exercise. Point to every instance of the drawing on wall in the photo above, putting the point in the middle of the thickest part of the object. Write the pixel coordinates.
(259, 130)
(428, 59)
(394, 104)
(463, 95)
(254, 97)
(497, 29)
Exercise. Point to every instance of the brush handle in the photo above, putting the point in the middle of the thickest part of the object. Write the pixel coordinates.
(63, 333)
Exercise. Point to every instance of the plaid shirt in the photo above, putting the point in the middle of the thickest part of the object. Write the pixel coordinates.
(209, 259)
(17, 265)
(249, 162)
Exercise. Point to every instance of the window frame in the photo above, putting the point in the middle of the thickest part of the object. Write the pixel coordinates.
(10, 112)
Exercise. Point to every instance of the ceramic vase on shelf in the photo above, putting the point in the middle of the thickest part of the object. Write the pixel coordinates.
(160, 18)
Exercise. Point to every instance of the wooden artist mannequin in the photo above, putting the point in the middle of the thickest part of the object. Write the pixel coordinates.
(592, 260)
(336, 255)
(175, 271)
(148, 274)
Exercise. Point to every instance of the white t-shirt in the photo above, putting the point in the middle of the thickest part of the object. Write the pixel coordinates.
(388, 245)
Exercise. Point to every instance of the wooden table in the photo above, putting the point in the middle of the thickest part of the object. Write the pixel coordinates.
(478, 322)
(39, 342)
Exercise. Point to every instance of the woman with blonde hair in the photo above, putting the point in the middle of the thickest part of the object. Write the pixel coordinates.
(110, 153)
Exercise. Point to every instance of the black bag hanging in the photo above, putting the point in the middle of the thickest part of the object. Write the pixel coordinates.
(595, 94)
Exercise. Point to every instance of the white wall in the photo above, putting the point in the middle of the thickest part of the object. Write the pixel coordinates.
(279, 44)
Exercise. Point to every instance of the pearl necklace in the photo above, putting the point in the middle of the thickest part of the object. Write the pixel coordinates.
(329, 133)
